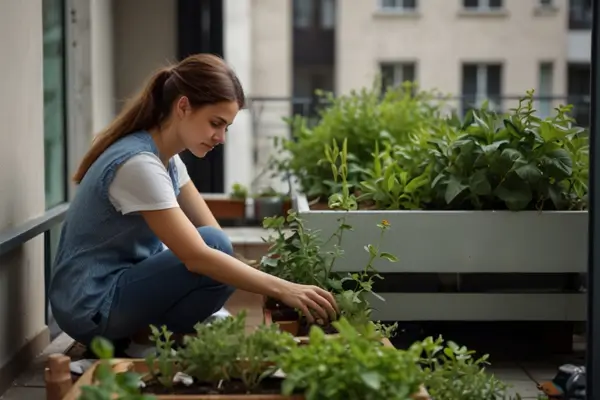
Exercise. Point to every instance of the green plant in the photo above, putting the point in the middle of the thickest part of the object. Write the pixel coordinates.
(451, 372)
(258, 351)
(210, 355)
(239, 191)
(517, 162)
(164, 357)
(222, 351)
(351, 366)
(363, 118)
(110, 385)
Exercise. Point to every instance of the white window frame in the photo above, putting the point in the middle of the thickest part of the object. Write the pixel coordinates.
(483, 6)
(481, 94)
(398, 8)
(398, 67)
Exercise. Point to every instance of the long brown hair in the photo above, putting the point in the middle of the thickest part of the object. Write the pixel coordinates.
(203, 78)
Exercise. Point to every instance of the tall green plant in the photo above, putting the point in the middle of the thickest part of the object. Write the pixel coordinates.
(361, 117)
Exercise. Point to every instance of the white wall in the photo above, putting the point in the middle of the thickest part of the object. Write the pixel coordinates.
(580, 45)
(21, 172)
(237, 21)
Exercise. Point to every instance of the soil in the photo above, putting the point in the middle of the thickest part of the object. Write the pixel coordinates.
(267, 386)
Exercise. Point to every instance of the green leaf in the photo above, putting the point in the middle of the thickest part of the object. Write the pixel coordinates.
(515, 192)
(490, 148)
(480, 184)
(453, 189)
(388, 256)
(102, 348)
(371, 379)
(529, 173)
(513, 155)
(561, 163)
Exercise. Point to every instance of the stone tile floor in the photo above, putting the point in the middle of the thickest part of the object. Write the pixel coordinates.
(522, 376)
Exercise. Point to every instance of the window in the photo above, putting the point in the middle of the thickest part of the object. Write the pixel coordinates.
(399, 5)
(395, 74)
(578, 89)
(482, 5)
(54, 65)
(546, 3)
(327, 14)
(580, 14)
(303, 13)
(481, 82)
(546, 76)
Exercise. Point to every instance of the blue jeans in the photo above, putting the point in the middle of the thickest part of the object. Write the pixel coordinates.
(162, 291)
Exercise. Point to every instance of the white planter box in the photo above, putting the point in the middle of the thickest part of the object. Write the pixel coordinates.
(461, 241)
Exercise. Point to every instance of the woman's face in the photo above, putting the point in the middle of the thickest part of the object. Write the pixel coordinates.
(200, 130)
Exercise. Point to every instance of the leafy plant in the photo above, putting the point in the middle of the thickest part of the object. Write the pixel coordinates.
(239, 191)
(210, 355)
(516, 162)
(350, 366)
(451, 372)
(164, 357)
(223, 351)
(258, 351)
(109, 385)
(363, 118)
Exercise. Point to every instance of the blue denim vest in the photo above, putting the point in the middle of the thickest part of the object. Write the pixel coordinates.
(98, 243)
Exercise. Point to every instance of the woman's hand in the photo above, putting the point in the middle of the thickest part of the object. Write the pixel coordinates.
(307, 297)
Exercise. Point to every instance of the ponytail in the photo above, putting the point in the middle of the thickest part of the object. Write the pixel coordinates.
(143, 112)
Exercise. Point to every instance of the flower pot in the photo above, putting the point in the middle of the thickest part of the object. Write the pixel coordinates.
(269, 206)
(225, 207)
(466, 247)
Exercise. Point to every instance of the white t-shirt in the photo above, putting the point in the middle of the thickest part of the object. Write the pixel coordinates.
(142, 183)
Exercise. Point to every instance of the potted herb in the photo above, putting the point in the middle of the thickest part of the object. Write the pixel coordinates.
(297, 255)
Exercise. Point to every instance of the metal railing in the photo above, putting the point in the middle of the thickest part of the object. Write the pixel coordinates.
(13, 238)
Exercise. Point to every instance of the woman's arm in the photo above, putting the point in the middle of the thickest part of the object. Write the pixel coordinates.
(194, 207)
(178, 233)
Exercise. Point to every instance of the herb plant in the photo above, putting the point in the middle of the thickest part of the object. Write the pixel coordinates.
(164, 357)
(517, 162)
(109, 385)
(451, 372)
(351, 366)
(210, 355)
(363, 118)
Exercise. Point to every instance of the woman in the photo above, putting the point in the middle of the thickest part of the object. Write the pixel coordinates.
(112, 276)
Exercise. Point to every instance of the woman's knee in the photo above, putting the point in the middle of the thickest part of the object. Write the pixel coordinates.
(217, 239)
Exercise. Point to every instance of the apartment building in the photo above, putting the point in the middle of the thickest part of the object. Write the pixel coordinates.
(473, 49)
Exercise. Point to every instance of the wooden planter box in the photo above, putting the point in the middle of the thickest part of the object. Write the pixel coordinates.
(440, 245)
(224, 207)
(139, 366)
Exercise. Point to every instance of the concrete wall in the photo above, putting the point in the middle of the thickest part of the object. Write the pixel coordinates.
(102, 61)
(22, 173)
(440, 36)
